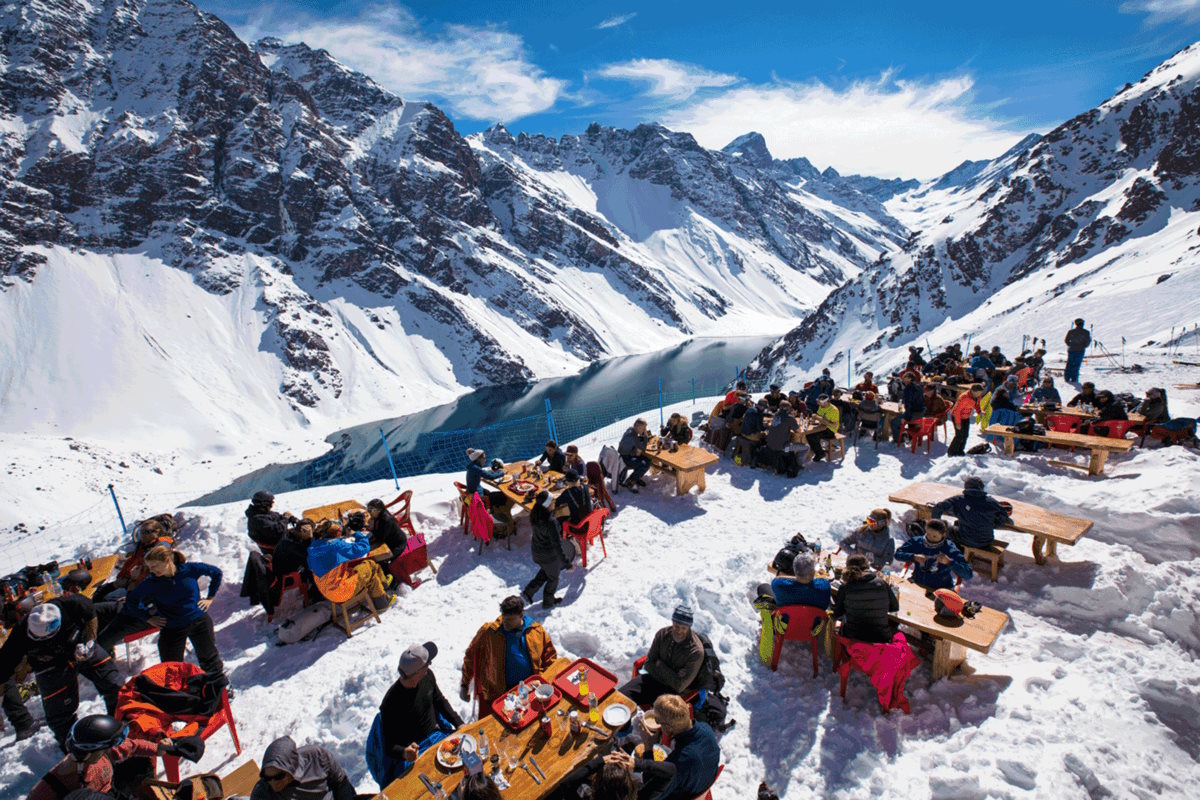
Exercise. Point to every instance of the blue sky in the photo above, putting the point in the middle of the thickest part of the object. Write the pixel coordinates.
(885, 88)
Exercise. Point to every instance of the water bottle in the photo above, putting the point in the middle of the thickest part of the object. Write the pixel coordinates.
(56, 589)
(523, 696)
(481, 746)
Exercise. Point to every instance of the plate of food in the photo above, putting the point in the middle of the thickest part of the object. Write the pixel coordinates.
(522, 487)
(449, 751)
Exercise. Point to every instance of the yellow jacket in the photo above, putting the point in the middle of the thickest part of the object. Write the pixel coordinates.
(833, 417)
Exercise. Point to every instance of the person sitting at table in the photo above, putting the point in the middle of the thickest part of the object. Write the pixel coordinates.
(735, 395)
(1000, 399)
(327, 555)
(133, 571)
(774, 397)
(936, 560)
(829, 418)
(691, 766)
(575, 461)
(981, 362)
(546, 547)
(847, 411)
(864, 602)
(413, 716)
(266, 527)
(873, 539)
(802, 587)
(1086, 396)
(384, 529)
(960, 415)
(291, 555)
(977, 512)
(1154, 407)
(575, 501)
(677, 429)
(935, 403)
(867, 384)
(554, 458)
(776, 451)
(754, 432)
(1022, 372)
(915, 359)
(672, 664)
(912, 399)
(871, 415)
(480, 786)
(503, 653)
(309, 772)
(1108, 409)
(1013, 388)
(632, 449)
(1046, 393)
(499, 504)
(997, 357)
(796, 400)
(1036, 361)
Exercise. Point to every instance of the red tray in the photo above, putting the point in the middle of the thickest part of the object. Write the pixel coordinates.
(600, 681)
(530, 715)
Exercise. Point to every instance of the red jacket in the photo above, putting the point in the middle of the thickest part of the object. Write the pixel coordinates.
(963, 407)
(96, 776)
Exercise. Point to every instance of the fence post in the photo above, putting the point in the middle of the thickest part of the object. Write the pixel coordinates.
(660, 402)
(693, 391)
(120, 516)
(391, 464)
(849, 377)
(550, 420)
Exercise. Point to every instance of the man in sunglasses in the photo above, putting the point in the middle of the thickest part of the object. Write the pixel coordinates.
(300, 773)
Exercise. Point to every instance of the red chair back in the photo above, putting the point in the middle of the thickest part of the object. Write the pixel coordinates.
(1063, 423)
(401, 509)
(921, 430)
(588, 530)
(290, 580)
(1116, 428)
(708, 792)
(800, 621)
(479, 520)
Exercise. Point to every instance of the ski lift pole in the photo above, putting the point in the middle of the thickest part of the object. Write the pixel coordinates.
(660, 402)
(391, 464)
(693, 391)
(120, 516)
(849, 377)
(550, 421)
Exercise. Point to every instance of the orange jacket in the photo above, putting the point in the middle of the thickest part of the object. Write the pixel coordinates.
(963, 407)
(483, 662)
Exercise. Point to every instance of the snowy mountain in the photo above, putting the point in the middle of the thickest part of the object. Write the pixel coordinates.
(1098, 218)
(230, 223)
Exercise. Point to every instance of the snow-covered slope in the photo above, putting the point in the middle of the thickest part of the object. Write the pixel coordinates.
(1099, 219)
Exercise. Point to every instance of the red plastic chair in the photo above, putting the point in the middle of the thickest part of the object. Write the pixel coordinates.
(1063, 423)
(290, 580)
(1116, 428)
(840, 653)
(800, 621)
(921, 430)
(401, 509)
(588, 530)
(133, 637)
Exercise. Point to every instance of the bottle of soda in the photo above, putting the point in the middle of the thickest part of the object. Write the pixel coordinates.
(593, 708)
(583, 682)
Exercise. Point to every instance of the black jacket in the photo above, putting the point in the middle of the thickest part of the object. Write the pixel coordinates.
(913, 399)
(865, 605)
(290, 555)
(978, 514)
(384, 529)
(1113, 410)
(546, 544)
(556, 462)
(409, 715)
(1077, 339)
(316, 774)
(59, 649)
(578, 501)
(1082, 398)
(1154, 410)
(266, 527)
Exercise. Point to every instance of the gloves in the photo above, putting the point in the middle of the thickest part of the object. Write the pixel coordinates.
(187, 747)
(464, 692)
(84, 650)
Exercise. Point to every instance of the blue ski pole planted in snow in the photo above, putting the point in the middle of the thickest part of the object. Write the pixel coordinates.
(693, 391)
(849, 379)
(120, 516)
(391, 464)
(660, 402)
(550, 421)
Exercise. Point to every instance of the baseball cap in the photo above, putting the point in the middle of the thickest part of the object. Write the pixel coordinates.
(416, 658)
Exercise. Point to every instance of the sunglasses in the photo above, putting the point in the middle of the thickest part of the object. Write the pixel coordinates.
(272, 777)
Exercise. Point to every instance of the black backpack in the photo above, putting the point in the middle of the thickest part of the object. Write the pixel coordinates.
(711, 680)
(782, 562)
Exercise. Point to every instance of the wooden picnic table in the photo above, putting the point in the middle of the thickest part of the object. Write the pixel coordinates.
(551, 481)
(1040, 413)
(951, 638)
(557, 756)
(1049, 528)
(102, 568)
(1099, 446)
(688, 463)
(334, 511)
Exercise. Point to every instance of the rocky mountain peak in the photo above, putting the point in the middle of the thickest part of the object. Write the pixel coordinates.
(751, 148)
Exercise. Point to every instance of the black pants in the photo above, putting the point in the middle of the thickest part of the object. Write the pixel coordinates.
(644, 690)
(814, 441)
(115, 631)
(747, 445)
(961, 431)
(59, 686)
(548, 576)
(637, 466)
(171, 644)
(14, 707)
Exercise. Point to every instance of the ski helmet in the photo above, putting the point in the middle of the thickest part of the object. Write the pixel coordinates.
(95, 732)
(44, 621)
(948, 604)
(76, 580)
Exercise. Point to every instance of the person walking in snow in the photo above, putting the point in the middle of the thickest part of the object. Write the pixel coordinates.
(1077, 341)
(936, 560)
(546, 547)
(503, 653)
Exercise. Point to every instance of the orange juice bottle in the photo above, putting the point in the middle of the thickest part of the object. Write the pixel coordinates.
(583, 682)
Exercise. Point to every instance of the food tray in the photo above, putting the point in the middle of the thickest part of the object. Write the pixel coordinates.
(523, 487)
(600, 681)
(530, 715)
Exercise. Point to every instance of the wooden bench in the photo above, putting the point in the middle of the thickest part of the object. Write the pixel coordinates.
(992, 555)
(688, 463)
(1099, 446)
(1049, 528)
(836, 444)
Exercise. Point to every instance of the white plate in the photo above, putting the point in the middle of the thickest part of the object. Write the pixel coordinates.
(616, 715)
(468, 743)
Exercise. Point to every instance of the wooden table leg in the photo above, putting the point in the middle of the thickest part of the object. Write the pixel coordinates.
(683, 482)
(700, 486)
(1096, 464)
(1051, 548)
(947, 657)
(924, 513)
(1038, 543)
(1010, 445)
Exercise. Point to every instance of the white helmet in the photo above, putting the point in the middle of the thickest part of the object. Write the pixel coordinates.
(44, 621)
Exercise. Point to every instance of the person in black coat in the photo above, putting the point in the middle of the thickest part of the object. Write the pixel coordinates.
(863, 603)
(555, 459)
(576, 499)
(912, 398)
(385, 529)
(1087, 394)
(546, 546)
(977, 512)
(266, 527)
(1109, 409)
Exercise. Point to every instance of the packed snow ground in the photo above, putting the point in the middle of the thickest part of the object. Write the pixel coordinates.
(1090, 691)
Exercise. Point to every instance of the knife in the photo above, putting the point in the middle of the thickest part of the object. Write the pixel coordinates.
(435, 789)
(594, 729)
(536, 766)
(529, 772)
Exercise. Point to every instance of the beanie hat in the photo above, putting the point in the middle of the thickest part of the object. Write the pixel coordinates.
(475, 455)
(973, 482)
(262, 498)
(682, 615)
(46, 619)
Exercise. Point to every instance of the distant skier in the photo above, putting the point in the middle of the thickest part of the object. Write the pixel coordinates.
(1077, 341)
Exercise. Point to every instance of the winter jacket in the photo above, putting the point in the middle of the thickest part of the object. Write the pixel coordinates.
(290, 555)
(78, 625)
(982, 362)
(985, 411)
(866, 386)
(682, 432)
(266, 527)
(824, 386)
(385, 529)
(176, 598)
(1112, 410)
(316, 775)
(1082, 398)
(408, 716)
(675, 664)
(931, 574)
(1077, 339)
(632, 443)
(483, 662)
(877, 545)
(546, 544)
(978, 514)
(1001, 399)
(1154, 410)
(578, 501)
(864, 606)
(1046, 395)
(555, 462)
(752, 422)
(70, 775)
(912, 397)
(779, 435)
(774, 399)
(325, 554)
(936, 405)
(791, 592)
(963, 407)
(696, 757)
(831, 416)
(476, 474)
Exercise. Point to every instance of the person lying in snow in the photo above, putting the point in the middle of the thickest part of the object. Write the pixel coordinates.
(935, 559)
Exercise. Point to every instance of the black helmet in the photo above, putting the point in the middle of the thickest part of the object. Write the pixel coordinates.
(95, 732)
(76, 579)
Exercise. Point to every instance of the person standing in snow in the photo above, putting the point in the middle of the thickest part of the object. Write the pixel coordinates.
(1077, 341)
(977, 512)
(960, 414)
(936, 561)
(266, 527)
(546, 546)
(503, 653)
(310, 772)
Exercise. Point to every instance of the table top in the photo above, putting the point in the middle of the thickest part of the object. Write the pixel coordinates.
(917, 611)
(1027, 518)
(547, 481)
(557, 756)
(1074, 411)
(1065, 439)
(334, 511)
(686, 457)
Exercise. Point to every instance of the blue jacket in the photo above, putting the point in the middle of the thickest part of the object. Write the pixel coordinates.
(752, 421)
(1043, 395)
(696, 757)
(517, 663)
(175, 598)
(476, 473)
(325, 554)
(982, 362)
(931, 574)
(789, 592)
(913, 400)
(978, 514)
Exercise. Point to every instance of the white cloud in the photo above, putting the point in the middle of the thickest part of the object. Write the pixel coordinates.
(886, 127)
(1160, 11)
(617, 21)
(669, 80)
(476, 72)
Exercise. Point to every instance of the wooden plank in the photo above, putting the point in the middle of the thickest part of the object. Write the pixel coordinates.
(102, 568)
(686, 457)
(1027, 518)
(334, 511)
(1064, 439)
(241, 781)
(557, 756)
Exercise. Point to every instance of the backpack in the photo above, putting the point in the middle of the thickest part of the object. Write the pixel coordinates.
(710, 676)
(782, 563)
(381, 766)
(713, 707)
